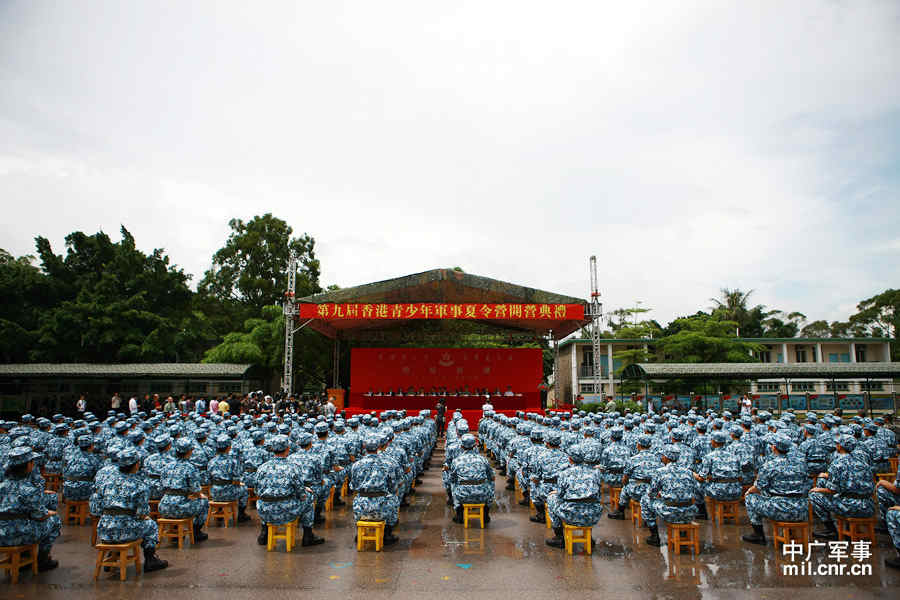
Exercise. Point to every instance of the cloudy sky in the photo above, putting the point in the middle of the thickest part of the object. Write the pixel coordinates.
(690, 145)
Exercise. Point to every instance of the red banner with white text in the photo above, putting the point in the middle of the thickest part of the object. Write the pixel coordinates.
(428, 310)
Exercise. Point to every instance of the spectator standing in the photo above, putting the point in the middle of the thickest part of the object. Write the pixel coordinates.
(214, 405)
(133, 406)
(116, 402)
(81, 405)
(224, 407)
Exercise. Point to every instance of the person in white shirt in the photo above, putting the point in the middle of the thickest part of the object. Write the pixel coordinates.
(330, 408)
(132, 405)
(115, 402)
(486, 407)
(746, 405)
(81, 405)
(509, 391)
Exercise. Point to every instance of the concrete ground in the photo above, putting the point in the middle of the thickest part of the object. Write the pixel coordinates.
(437, 556)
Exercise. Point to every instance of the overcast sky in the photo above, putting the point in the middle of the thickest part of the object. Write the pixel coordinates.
(690, 145)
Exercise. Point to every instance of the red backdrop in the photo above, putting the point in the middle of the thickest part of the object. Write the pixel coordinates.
(392, 368)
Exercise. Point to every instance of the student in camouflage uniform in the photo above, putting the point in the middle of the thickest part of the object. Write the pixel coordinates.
(847, 489)
(225, 472)
(670, 496)
(638, 474)
(780, 491)
(255, 457)
(126, 512)
(283, 497)
(549, 463)
(576, 499)
(471, 479)
(181, 490)
(893, 525)
(24, 517)
(719, 474)
(376, 484)
(157, 464)
(888, 495)
(79, 470)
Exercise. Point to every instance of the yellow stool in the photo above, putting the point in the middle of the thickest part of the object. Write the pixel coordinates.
(856, 529)
(154, 509)
(52, 482)
(894, 463)
(635, 507)
(369, 531)
(118, 555)
(251, 497)
(329, 504)
(76, 512)
(16, 557)
(518, 490)
(282, 531)
(723, 509)
(690, 539)
(474, 512)
(583, 537)
(175, 530)
(204, 489)
(222, 511)
(787, 531)
(547, 516)
(345, 488)
(614, 492)
(889, 477)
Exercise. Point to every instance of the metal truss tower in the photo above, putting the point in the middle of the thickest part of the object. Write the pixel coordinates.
(290, 314)
(596, 315)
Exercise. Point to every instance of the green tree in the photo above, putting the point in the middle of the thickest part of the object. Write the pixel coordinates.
(251, 268)
(702, 338)
(816, 329)
(879, 316)
(112, 302)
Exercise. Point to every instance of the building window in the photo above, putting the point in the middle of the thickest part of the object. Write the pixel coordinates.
(805, 386)
(872, 386)
(832, 357)
(587, 388)
(840, 387)
(860, 353)
(801, 354)
(228, 387)
(764, 356)
(845, 357)
(768, 387)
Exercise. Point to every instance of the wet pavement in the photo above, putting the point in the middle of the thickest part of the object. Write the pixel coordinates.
(437, 556)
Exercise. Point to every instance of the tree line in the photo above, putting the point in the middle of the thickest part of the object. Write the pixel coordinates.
(106, 301)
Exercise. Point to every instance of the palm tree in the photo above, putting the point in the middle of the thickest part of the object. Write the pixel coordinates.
(732, 306)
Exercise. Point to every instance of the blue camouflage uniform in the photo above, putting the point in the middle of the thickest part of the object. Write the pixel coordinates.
(576, 499)
(783, 487)
(471, 476)
(125, 508)
(721, 472)
(26, 516)
(79, 470)
(639, 472)
(282, 495)
(225, 473)
(852, 484)
(670, 495)
(157, 464)
(375, 481)
(179, 485)
(614, 458)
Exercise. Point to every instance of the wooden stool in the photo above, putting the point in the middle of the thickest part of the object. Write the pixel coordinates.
(723, 509)
(894, 463)
(583, 537)
(474, 512)
(547, 516)
(94, 534)
(788, 531)
(204, 489)
(16, 557)
(690, 539)
(518, 491)
(345, 488)
(118, 555)
(329, 504)
(856, 529)
(614, 492)
(154, 509)
(76, 512)
(635, 507)
(369, 531)
(224, 511)
(282, 531)
(251, 497)
(52, 481)
(889, 477)
(175, 530)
